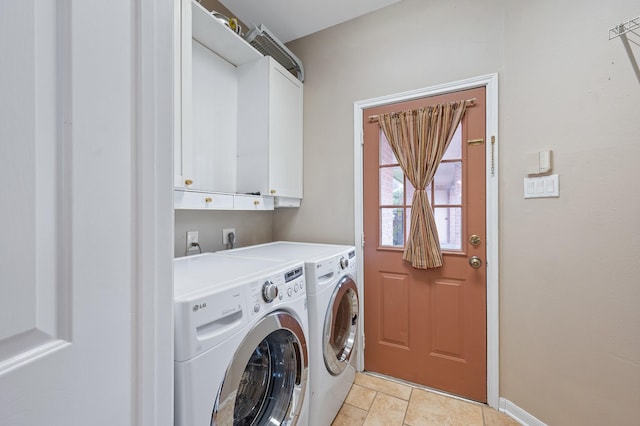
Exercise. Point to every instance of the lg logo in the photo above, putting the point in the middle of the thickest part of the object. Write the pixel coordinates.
(199, 306)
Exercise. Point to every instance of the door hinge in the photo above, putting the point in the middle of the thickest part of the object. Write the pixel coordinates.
(361, 137)
(362, 239)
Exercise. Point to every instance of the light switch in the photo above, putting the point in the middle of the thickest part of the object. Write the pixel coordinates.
(549, 186)
(541, 187)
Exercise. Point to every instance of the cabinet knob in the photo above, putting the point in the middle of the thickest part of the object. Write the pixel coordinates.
(188, 182)
(208, 200)
(273, 191)
(256, 202)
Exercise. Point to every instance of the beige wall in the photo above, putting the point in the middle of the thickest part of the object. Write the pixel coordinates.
(251, 228)
(348, 63)
(569, 276)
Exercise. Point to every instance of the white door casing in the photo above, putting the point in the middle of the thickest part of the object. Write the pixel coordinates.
(489, 81)
(85, 255)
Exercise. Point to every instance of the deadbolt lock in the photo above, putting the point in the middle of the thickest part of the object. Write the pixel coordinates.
(474, 240)
(475, 262)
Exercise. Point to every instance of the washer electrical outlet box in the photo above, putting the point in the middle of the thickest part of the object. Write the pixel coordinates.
(225, 235)
(192, 237)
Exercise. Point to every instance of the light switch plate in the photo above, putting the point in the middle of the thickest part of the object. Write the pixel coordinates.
(541, 187)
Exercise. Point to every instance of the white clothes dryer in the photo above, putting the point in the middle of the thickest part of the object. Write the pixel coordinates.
(332, 294)
(241, 339)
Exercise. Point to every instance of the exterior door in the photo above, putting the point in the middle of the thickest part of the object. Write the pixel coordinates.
(427, 326)
(76, 348)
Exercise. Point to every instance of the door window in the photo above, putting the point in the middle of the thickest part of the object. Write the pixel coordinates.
(445, 196)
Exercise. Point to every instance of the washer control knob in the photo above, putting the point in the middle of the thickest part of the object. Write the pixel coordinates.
(269, 291)
(344, 263)
(296, 288)
(256, 308)
(289, 292)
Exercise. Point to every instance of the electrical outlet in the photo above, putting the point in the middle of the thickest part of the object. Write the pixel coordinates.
(225, 235)
(192, 238)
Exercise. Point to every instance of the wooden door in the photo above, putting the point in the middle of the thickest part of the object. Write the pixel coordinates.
(427, 326)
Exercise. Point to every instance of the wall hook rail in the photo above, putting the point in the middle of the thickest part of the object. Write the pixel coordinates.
(629, 26)
(622, 30)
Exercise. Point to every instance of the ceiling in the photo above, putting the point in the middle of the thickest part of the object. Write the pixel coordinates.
(292, 19)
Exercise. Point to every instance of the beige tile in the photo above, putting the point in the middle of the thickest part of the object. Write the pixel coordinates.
(428, 408)
(494, 418)
(386, 410)
(360, 397)
(385, 386)
(349, 416)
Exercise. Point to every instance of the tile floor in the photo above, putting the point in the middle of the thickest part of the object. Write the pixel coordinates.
(374, 400)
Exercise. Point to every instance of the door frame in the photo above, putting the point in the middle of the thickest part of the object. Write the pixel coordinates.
(490, 82)
(153, 112)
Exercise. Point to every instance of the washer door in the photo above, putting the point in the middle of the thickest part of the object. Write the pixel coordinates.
(340, 326)
(267, 378)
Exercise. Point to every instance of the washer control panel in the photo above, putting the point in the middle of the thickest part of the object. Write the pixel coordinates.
(276, 289)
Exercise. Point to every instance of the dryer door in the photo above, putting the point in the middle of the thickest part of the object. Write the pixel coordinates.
(267, 378)
(340, 326)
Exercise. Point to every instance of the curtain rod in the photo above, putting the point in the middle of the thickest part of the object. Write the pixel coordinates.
(468, 102)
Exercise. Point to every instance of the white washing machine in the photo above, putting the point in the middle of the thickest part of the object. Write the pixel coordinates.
(332, 294)
(241, 339)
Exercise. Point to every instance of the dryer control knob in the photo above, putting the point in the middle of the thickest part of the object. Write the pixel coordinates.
(344, 263)
(269, 291)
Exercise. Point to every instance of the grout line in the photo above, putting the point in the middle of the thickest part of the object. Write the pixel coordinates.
(406, 410)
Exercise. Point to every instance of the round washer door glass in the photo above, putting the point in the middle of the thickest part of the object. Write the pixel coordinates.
(340, 326)
(266, 380)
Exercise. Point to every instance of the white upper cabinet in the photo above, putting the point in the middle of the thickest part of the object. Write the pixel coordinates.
(206, 148)
(238, 119)
(269, 130)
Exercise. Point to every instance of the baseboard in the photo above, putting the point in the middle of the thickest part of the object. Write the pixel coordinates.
(518, 414)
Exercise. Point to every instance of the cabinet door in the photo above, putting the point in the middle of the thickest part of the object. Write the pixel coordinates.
(285, 133)
(182, 151)
(205, 151)
(269, 130)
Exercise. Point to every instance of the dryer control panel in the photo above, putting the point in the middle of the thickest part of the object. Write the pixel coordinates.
(275, 290)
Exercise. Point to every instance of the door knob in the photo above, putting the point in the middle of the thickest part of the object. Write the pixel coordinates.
(474, 240)
(475, 262)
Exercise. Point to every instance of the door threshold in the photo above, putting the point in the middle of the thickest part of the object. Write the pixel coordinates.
(421, 387)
